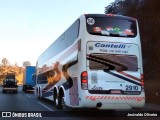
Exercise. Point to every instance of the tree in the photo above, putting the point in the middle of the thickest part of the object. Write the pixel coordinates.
(21, 70)
(5, 62)
(16, 65)
(26, 63)
(123, 6)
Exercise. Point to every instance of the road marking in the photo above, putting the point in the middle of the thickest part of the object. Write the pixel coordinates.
(45, 106)
(28, 96)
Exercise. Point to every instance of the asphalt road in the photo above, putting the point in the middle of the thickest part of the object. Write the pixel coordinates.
(22, 102)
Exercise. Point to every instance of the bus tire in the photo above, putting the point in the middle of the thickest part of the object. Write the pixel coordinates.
(39, 95)
(61, 103)
(55, 98)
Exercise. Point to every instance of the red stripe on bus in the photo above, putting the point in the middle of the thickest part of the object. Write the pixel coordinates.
(123, 73)
(93, 98)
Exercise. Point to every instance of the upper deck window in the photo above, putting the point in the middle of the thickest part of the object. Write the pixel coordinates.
(111, 26)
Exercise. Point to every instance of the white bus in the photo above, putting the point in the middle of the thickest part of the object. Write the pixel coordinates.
(95, 63)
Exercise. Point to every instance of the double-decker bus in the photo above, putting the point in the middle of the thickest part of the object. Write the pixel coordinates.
(95, 63)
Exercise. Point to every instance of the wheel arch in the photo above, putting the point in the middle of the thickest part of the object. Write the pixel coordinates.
(62, 91)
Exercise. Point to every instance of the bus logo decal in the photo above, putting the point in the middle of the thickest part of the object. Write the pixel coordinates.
(123, 46)
(97, 88)
(129, 46)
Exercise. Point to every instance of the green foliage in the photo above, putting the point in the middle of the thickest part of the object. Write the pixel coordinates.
(5, 62)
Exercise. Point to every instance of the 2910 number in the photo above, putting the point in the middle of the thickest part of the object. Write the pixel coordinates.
(131, 87)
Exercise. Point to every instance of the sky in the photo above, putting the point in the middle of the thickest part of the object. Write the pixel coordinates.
(29, 27)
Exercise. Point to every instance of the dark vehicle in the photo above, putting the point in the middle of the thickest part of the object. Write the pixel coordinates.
(28, 82)
(10, 83)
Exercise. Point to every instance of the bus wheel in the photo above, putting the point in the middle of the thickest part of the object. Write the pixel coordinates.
(61, 103)
(37, 92)
(55, 99)
(40, 95)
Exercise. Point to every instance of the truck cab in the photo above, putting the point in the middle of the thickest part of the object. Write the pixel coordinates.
(10, 83)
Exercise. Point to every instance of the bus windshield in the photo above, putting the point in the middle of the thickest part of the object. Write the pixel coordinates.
(111, 26)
